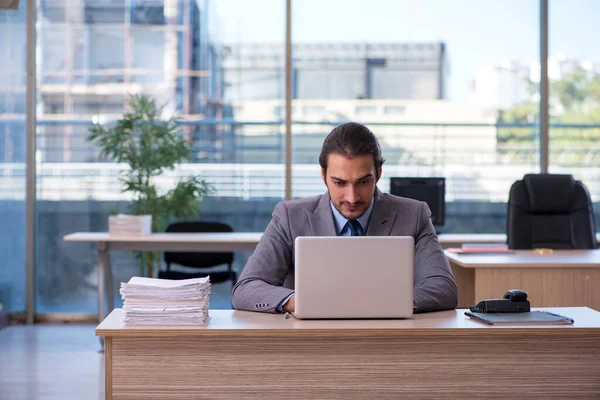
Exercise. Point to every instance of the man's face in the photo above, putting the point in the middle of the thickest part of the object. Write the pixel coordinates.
(351, 183)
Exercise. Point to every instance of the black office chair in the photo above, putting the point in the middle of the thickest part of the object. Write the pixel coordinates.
(199, 260)
(550, 211)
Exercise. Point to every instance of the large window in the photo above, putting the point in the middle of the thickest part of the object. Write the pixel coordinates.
(438, 82)
(451, 89)
(13, 83)
(191, 57)
(574, 76)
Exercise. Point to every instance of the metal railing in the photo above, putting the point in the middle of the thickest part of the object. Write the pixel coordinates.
(245, 158)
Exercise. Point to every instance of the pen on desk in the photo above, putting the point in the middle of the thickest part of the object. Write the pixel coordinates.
(478, 318)
(560, 316)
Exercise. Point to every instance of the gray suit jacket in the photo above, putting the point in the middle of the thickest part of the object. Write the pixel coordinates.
(268, 277)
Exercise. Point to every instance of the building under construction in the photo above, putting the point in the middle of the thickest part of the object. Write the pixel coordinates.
(335, 71)
(94, 54)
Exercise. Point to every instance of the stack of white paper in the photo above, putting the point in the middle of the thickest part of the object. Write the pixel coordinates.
(129, 225)
(150, 301)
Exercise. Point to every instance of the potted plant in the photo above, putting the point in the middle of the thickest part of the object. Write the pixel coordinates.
(149, 145)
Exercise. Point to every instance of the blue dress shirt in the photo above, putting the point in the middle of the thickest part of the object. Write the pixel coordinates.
(342, 228)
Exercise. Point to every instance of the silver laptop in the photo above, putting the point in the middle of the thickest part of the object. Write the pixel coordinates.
(354, 277)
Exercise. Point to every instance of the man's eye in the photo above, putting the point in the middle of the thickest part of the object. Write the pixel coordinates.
(338, 183)
(366, 181)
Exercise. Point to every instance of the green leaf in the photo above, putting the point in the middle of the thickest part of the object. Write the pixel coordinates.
(149, 145)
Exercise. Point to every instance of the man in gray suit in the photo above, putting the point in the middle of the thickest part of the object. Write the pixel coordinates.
(353, 206)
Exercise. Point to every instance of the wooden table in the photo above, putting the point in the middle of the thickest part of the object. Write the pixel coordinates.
(565, 278)
(245, 355)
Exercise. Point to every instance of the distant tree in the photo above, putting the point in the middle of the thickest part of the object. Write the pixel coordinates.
(574, 99)
(569, 93)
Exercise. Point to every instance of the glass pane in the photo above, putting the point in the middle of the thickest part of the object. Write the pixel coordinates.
(186, 55)
(574, 75)
(440, 87)
(13, 81)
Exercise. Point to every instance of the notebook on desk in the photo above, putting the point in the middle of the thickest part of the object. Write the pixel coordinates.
(525, 318)
(481, 248)
(459, 250)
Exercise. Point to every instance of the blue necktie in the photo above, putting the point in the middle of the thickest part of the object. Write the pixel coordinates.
(354, 227)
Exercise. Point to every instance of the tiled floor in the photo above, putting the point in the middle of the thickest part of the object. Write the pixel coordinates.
(51, 362)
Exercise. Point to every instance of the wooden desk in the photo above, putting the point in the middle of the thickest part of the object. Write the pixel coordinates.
(565, 278)
(436, 355)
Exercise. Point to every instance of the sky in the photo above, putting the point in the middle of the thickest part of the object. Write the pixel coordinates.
(476, 32)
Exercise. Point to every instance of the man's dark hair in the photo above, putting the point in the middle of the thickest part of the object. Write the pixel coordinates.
(350, 140)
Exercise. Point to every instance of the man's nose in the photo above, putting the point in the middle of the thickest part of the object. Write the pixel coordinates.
(351, 195)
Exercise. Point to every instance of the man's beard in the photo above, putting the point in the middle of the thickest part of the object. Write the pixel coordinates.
(340, 207)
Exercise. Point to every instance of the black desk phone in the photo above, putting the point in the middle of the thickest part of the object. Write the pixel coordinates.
(514, 301)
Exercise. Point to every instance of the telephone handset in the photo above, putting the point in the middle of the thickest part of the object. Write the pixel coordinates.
(514, 301)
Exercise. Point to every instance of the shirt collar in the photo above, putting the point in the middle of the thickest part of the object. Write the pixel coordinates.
(340, 221)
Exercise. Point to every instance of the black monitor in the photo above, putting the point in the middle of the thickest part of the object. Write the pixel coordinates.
(430, 190)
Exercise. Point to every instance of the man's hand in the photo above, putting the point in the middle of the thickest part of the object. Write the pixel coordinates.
(290, 306)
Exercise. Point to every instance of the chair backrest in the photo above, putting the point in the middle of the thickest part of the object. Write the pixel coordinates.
(198, 260)
(550, 211)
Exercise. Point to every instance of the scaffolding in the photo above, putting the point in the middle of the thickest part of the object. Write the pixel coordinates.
(94, 54)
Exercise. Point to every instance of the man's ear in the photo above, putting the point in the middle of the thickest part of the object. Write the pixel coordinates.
(324, 175)
(378, 174)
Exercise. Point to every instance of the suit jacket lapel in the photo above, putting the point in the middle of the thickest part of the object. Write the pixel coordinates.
(321, 220)
(382, 219)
